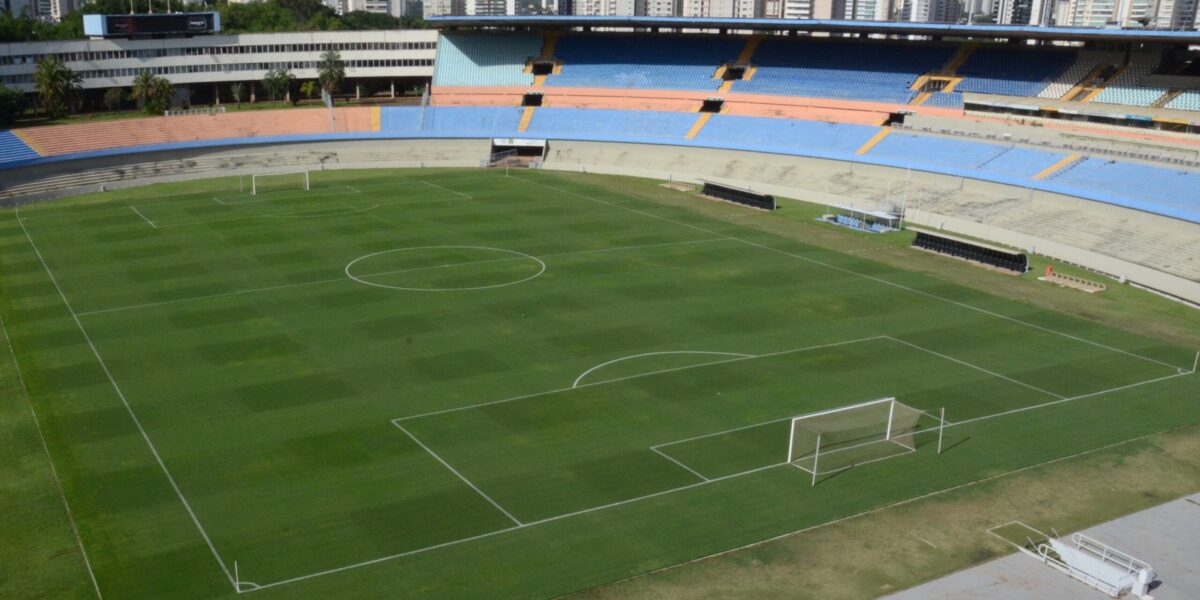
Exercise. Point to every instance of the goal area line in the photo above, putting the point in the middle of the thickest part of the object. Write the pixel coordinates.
(706, 481)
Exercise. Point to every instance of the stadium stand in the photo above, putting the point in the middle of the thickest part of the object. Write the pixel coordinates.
(14, 149)
(98, 136)
(1002, 71)
(482, 121)
(666, 63)
(968, 156)
(945, 100)
(481, 59)
(784, 136)
(1176, 193)
(1125, 88)
(846, 70)
(1083, 66)
(610, 124)
(1185, 101)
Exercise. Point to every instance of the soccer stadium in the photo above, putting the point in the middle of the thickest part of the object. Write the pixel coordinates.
(534, 307)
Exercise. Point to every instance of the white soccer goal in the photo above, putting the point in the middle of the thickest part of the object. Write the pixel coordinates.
(832, 440)
(273, 182)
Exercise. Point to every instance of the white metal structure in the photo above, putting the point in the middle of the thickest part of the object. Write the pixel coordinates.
(254, 179)
(839, 438)
(224, 58)
(1097, 565)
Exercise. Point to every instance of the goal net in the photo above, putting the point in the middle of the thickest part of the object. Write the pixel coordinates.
(274, 182)
(839, 438)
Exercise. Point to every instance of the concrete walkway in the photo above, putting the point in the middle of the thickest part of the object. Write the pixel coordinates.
(1166, 536)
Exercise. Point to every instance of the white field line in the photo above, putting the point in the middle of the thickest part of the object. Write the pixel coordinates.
(717, 479)
(346, 211)
(672, 459)
(645, 354)
(62, 495)
(393, 272)
(976, 367)
(510, 529)
(459, 475)
(925, 541)
(629, 377)
(124, 401)
(446, 189)
(219, 201)
(884, 507)
(854, 273)
(139, 213)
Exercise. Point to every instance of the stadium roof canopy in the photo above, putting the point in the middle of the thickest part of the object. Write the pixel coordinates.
(1081, 34)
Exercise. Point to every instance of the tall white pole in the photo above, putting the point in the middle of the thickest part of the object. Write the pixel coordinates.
(816, 460)
(891, 413)
(791, 440)
(941, 429)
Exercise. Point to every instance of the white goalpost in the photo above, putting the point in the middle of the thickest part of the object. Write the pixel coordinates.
(279, 181)
(836, 439)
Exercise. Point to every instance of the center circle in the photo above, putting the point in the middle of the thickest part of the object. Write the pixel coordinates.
(444, 268)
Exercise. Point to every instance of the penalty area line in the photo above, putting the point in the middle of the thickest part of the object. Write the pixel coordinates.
(139, 213)
(446, 189)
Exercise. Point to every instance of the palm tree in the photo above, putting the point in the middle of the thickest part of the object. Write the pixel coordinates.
(154, 92)
(57, 87)
(331, 71)
(237, 90)
(277, 82)
(309, 89)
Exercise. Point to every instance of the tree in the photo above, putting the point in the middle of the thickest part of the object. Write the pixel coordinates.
(237, 90)
(361, 20)
(113, 98)
(277, 82)
(310, 89)
(57, 86)
(154, 92)
(331, 71)
(12, 105)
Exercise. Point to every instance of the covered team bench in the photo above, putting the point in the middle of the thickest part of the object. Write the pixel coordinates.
(992, 256)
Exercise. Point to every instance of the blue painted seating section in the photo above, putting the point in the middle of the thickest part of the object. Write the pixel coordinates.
(455, 121)
(13, 149)
(843, 70)
(1186, 101)
(1147, 188)
(1012, 72)
(783, 136)
(945, 100)
(1153, 187)
(610, 124)
(964, 155)
(662, 63)
(481, 59)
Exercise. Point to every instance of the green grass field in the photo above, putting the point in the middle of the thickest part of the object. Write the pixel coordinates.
(456, 383)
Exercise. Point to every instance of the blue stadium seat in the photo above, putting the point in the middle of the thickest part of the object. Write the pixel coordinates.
(1178, 191)
(1185, 101)
(1013, 72)
(482, 121)
(12, 148)
(945, 100)
(610, 124)
(843, 70)
(666, 63)
(964, 155)
(481, 59)
(784, 135)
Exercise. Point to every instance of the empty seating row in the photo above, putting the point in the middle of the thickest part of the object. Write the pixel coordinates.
(842, 69)
(1153, 186)
(666, 63)
(1012, 72)
(1126, 88)
(964, 155)
(13, 148)
(484, 60)
(1185, 101)
(1084, 65)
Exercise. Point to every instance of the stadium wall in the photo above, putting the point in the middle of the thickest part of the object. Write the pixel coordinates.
(1153, 261)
